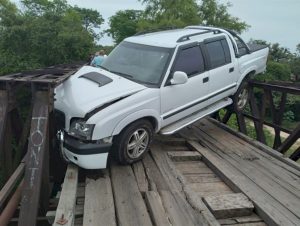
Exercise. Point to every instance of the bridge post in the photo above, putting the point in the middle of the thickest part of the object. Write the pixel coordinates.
(36, 159)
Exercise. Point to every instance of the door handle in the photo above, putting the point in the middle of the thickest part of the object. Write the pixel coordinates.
(231, 69)
(206, 79)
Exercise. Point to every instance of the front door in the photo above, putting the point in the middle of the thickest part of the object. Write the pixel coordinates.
(178, 101)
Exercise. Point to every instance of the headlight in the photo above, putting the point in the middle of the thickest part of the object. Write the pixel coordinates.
(81, 130)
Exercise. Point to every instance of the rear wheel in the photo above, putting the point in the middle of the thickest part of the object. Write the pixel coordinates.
(133, 142)
(241, 97)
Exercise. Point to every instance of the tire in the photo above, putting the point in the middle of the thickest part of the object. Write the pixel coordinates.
(126, 151)
(241, 97)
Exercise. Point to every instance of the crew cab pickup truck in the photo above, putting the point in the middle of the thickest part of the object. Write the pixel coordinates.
(152, 83)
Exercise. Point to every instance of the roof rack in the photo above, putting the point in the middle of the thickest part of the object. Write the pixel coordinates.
(156, 30)
(187, 37)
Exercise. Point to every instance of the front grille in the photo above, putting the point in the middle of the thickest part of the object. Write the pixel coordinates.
(60, 119)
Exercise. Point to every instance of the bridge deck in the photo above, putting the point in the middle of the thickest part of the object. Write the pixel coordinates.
(203, 175)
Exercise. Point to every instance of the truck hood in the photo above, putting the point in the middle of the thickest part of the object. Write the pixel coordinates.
(90, 88)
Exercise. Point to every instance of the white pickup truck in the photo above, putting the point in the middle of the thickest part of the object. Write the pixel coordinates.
(150, 83)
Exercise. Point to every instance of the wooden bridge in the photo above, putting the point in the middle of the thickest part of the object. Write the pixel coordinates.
(207, 174)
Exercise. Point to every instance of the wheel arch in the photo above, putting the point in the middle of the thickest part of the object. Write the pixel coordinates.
(150, 115)
(247, 75)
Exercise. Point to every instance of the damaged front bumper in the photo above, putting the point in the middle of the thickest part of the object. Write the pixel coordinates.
(85, 155)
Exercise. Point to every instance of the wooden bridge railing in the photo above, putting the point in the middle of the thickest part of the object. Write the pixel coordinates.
(258, 106)
(28, 179)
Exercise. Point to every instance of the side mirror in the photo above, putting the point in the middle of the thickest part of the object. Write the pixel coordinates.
(179, 77)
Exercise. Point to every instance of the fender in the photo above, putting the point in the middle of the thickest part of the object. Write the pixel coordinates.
(248, 71)
(136, 116)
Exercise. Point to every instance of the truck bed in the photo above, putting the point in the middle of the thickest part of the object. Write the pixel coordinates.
(255, 47)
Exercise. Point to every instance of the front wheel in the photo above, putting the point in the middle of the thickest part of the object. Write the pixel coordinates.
(241, 97)
(133, 142)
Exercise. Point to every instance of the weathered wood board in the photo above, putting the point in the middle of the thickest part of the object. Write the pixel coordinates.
(99, 202)
(229, 205)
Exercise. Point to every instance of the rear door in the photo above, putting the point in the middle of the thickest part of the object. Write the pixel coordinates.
(178, 101)
(223, 71)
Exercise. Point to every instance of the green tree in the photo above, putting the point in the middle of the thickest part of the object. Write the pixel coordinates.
(276, 71)
(169, 13)
(44, 33)
(298, 49)
(180, 13)
(279, 53)
(123, 24)
(8, 13)
(216, 14)
(91, 19)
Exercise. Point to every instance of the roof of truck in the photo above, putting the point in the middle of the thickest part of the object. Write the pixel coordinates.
(168, 38)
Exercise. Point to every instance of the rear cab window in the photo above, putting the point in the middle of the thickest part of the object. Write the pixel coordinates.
(217, 51)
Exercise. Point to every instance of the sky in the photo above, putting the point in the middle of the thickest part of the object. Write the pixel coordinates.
(270, 20)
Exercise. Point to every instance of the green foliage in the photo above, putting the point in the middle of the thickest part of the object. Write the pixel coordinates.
(213, 13)
(289, 116)
(298, 50)
(169, 13)
(8, 12)
(91, 19)
(123, 24)
(44, 33)
(180, 13)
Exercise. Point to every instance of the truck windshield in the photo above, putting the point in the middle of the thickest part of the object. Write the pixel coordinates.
(140, 63)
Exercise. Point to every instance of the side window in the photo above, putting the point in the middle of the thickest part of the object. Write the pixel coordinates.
(218, 53)
(190, 61)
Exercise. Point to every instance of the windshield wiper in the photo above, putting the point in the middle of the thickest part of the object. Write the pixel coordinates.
(104, 68)
(121, 74)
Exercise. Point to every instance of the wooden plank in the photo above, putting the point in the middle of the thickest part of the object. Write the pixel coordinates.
(202, 178)
(178, 216)
(153, 174)
(192, 167)
(265, 165)
(66, 207)
(140, 176)
(230, 205)
(156, 209)
(279, 171)
(210, 187)
(176, 184)
(80, 191)
(241, 220)
(168, 172)
(196, 202)
(11, 184)
(248, 219)
(184, 155)
(50, 215)
(259, 177)
(99, 202)
(35, 163)
(130, 207)
(170, 140)
(4, 118)
(287, 163)
(251, 224)
(266, 206)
